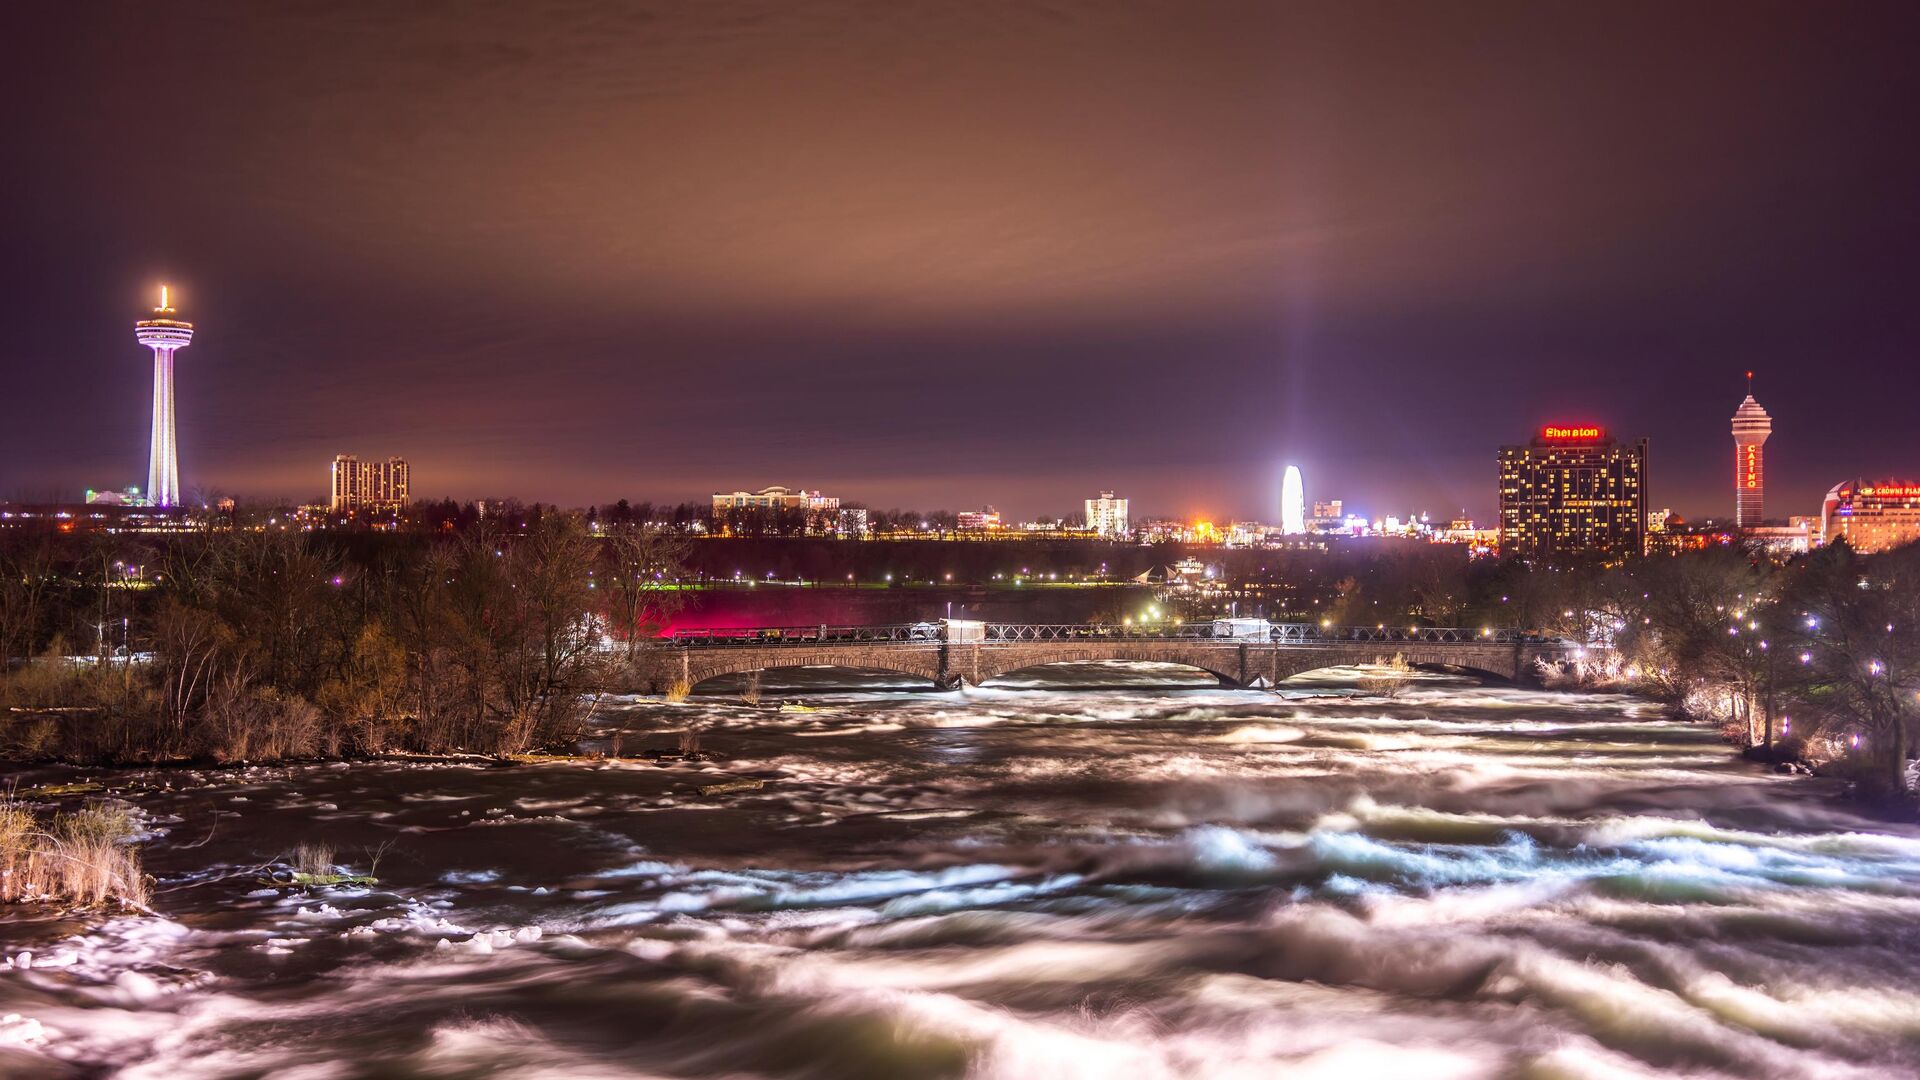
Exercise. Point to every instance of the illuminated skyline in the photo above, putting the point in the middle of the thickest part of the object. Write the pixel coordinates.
(964, 254)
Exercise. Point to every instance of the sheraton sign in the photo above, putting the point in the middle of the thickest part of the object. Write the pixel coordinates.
(1572, 433)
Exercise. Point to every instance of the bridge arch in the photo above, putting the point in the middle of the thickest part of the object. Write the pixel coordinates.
(992, 662)
(1454, 668)
(1493, 662)
(701, 683)
(1224, 678)
(699, 666)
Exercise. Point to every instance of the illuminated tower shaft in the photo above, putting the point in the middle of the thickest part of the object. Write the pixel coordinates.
(1751, 426)
(1293, 503)
(165, 335)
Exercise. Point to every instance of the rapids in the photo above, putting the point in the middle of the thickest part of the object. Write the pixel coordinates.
(1124, 881)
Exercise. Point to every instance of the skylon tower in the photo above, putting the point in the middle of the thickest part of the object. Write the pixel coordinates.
(165, 335)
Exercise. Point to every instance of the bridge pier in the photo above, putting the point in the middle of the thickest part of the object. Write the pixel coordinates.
(952, 669)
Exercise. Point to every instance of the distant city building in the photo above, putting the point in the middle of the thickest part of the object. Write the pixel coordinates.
(1328, 514)
(1160, 530)
(368, 485)
(1781, 541)
(981, 520)
(1871, 516)
(1751, 426)
(1107, 516)
(1681, 536)
(1293, 503)
(774, 498)
(165, 335)
(1657, 519)
(1250, 534)
(101, 515)
(822, 515)
(129, 497)
(1573, 490)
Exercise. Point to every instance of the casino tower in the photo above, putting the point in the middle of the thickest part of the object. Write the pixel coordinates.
(1751, 426)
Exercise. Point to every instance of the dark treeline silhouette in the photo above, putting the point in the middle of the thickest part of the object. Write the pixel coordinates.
(498, 633)
(237, 645)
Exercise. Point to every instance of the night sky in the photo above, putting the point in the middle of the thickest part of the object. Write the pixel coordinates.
(952, 254)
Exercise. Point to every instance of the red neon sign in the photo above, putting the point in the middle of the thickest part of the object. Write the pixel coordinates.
(1558, 433)
(1893, 491)
(1753, 466)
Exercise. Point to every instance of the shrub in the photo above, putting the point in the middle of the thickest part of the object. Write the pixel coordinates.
(1391, 678)
(86, 857)
(314, 860)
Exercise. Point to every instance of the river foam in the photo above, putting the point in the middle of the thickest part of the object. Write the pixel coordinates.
(1461, 882)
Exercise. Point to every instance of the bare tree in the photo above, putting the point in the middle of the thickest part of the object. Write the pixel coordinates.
(27, 579)
(642, 566)
(1854, 661)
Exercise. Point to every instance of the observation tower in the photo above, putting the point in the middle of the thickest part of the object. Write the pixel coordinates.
(165, 335)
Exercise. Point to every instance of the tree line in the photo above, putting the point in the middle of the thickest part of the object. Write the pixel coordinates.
(502, 636)
(232, 645)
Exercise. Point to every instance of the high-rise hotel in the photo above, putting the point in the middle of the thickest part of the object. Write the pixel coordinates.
(368, 485)
(1107, 516)
(1871, 515)
(1573, 490)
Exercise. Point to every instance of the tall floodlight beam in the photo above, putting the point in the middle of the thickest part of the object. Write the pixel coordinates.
(1751, 426)
(165, 335)
(1293, 503)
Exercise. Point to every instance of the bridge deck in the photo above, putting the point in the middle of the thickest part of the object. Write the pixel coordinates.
(974, 653)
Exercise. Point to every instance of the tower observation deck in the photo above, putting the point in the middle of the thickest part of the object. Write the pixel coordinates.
(165, 335)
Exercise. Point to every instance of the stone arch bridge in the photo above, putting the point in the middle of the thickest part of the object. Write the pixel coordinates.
(947, 659)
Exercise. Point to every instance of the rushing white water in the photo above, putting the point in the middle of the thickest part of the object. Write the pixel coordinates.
(1012, 882)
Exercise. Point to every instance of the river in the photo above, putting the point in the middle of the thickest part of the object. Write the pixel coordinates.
(1123, 882)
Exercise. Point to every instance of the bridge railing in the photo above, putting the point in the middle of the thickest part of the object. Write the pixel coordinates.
(1278, 633)
(1097, 631)
(903, 633)
(1297, 634)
